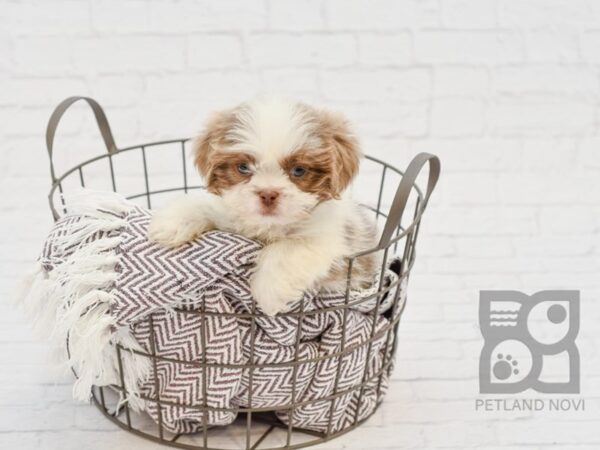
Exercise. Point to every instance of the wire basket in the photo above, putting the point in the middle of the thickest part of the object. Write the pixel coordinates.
(255, 427)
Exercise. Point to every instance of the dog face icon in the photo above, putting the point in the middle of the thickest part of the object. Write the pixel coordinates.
(523, 332)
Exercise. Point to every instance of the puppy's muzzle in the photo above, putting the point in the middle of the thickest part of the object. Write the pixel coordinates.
(268, 198)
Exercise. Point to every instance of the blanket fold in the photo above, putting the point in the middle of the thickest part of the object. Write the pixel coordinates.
(102, 283)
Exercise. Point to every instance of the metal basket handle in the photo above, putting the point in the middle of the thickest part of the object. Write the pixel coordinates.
(101, 120)
(408, 180)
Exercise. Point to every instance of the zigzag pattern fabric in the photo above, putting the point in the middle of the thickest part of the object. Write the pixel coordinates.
(323, 368)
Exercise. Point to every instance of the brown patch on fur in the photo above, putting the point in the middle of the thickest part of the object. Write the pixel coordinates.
(319, 170)
(224, 170)
(339, 141)
(330, 168)
(209, 143)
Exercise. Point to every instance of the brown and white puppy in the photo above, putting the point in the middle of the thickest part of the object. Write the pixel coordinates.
(277, 171)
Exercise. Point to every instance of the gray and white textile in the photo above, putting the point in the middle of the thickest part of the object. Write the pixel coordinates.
(100, 280)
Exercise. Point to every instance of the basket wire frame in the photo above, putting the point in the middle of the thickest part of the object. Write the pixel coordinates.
(393, 236)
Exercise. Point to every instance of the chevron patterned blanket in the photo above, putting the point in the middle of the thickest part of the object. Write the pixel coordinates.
(101, 284)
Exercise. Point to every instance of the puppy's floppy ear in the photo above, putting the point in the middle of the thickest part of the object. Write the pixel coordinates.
(343, 146)
(207, 143)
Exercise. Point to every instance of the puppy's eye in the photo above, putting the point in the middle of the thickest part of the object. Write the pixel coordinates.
(244, 168)
(298, 171)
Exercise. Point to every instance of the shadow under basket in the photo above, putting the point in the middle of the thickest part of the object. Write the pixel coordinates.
(388, 193)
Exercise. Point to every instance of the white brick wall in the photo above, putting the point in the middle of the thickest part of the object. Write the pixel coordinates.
(504, 91)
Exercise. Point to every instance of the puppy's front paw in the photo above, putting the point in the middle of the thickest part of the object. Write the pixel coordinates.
(272, 292)
(169, 233)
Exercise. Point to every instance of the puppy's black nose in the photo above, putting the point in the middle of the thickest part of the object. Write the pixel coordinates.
(268, 198)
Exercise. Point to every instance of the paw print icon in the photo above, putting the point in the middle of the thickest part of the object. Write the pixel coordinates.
(529, 342)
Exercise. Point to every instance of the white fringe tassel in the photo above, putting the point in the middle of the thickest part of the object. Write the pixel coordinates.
(71, 303)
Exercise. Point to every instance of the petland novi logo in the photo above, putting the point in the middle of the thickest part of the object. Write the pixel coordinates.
(529, 343)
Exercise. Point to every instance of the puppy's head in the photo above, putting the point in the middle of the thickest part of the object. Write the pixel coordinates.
(272, 161)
